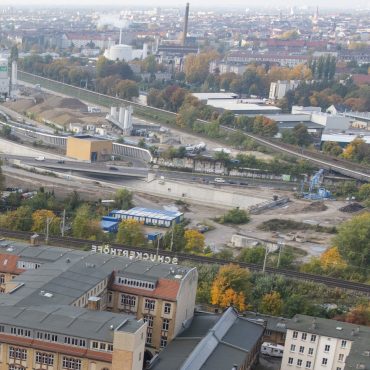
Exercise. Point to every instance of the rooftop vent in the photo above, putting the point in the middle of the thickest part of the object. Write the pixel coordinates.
(10, 249)
(366, 353)
(46, 294)
(68, 260)
(339, 328)
(111, 327)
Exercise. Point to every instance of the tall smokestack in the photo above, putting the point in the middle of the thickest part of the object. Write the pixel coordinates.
(186, 20)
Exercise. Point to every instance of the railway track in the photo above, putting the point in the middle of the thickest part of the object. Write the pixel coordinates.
(82, 243)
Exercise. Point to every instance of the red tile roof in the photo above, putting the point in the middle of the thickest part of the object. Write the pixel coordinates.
(165, 289)
(8, 264)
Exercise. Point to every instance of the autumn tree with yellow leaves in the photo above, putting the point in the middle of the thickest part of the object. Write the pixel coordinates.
(130, 233)
(272, 304)
(40, 219)
(194, 241)
(331, 259)
(230, 287)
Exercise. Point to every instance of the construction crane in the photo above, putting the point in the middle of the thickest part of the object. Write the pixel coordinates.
(314, 184)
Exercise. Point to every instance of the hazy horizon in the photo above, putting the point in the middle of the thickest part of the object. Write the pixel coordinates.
(209, 4)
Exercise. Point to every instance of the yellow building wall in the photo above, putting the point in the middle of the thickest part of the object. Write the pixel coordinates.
(81, 149)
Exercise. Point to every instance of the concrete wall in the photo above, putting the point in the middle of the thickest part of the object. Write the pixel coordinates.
(203, 194)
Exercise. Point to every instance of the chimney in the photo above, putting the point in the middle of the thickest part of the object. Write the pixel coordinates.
(35, 240)
(186, 20)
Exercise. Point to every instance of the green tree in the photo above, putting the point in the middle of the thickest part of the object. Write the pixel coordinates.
(19, 219)
(187, 116)
(194, 241)
(252, 255)
(127, 89)
(130, 233)
(43, 216)
(174, 239)
(332, 148)
(353, 240)
(227, 118)
(236, 216)
(84, 226)
(364, 192)
(123, 199)
(300, 132)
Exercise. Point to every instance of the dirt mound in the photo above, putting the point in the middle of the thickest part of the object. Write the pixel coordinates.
(352, 207)
(315, 207)
(72, 103)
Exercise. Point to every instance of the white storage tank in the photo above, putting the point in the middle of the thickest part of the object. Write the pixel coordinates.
(119, 52)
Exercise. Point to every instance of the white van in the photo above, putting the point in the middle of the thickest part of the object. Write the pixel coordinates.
(272, 349)
(40, 158)
(219, 180)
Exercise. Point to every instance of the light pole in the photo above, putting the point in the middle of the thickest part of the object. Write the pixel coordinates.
(267, 251)
(48, 222)
(281, 246)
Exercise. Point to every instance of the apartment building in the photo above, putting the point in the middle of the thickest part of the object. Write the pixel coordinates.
(155, 299)
(324, 344)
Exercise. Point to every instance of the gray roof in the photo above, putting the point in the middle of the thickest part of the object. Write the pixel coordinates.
(68, 273)
(272, 323)
(68, 320)
(359, 335)
(211, 342)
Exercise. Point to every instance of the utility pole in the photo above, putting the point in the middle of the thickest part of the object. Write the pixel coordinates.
(173, 227)
(48, 222)
(281, 246)
(63, 222)
(265, 259)
(157, 253)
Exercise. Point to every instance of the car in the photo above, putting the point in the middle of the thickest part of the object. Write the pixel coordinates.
(40, 158)
(61, 161)
(219, 180)
(113, 168)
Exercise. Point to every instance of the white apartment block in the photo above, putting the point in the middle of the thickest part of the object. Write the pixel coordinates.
(323, 344)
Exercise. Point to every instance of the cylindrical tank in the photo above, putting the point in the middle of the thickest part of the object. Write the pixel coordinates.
(113, 112)
(120, 52)
(121, 117)
(14, 73)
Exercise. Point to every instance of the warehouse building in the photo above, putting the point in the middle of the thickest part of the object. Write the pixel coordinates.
(89, 148)
(146, 216)
(132, 303)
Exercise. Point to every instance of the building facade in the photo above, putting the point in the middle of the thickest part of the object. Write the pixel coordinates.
(323, 344)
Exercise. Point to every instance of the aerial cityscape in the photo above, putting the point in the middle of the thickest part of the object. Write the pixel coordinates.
(184, 186)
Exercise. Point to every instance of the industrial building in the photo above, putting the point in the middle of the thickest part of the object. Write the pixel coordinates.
(152, 217)
(226, 341)
(89, 148)
(317, 343)
(241, 106)
(279, 89)
(122, 118)
(94, 309)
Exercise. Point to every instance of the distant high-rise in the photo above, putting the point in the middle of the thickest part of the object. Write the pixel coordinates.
(186, 20)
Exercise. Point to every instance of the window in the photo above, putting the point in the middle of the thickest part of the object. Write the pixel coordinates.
(324, 361)
(339, 368)
(149, 320)
(94, 345)
(163, 341)
(290, 361)
(308, 364)
(344, 344)
(2, 328)
(304, 336)
(149, 304)
(292, 348)
(167, 308)
(310, 351)
(165, 324)
(18, 353)
(2, 279)
(128, 300)
(16, 367)
(299, 362)
(71, 363)
(102, 346)
(149, 335)
(327, 348)
(313, 338)
(301, 349)
(13, 330)
(295, 334)
(341, 357)
(110, 347)
(44, 358)
(110, 297)
(268, 332)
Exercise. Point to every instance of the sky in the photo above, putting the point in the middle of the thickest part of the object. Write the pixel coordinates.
(350, 4)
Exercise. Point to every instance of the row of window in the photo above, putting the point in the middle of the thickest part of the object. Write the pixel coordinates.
(102, 346)
(129, 301)
(135, 283)
(28, 265)
(313, 339)
(310, 351)
(47, 336)
(300, 363)
(71, 363)
(75, 341)
(44, 358)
